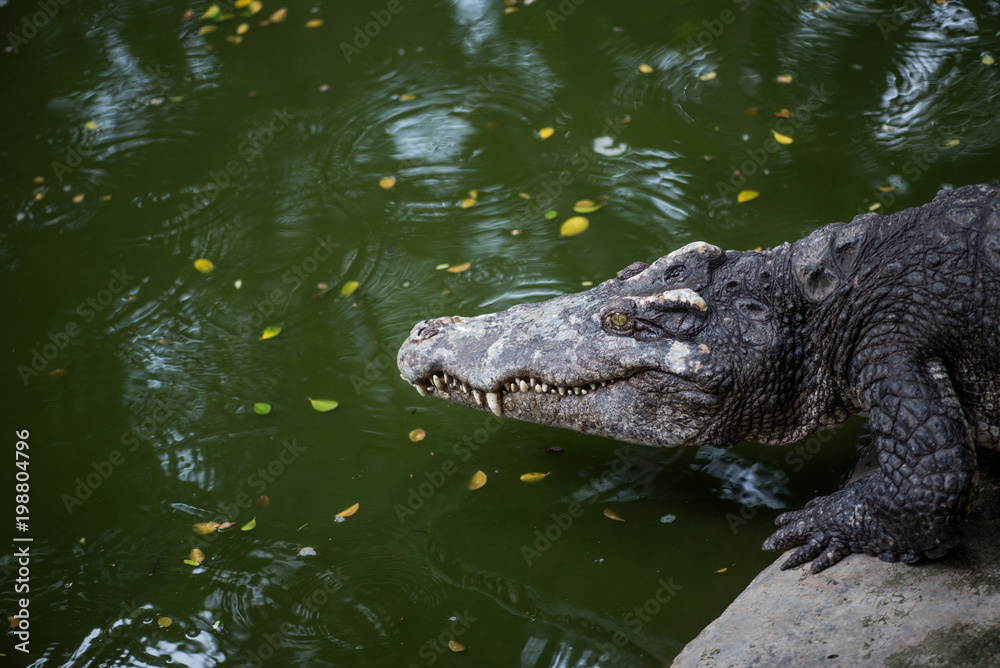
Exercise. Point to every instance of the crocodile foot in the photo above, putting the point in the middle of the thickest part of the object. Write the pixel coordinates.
(831, 527)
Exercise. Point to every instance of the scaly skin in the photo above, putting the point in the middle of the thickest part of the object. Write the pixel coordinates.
(897, 316)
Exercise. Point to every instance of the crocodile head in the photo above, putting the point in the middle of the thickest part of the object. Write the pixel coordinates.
(651, 356)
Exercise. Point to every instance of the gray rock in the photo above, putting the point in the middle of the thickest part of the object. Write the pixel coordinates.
(864, 612)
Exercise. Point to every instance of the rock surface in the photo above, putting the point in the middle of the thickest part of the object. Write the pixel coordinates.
(864, 612)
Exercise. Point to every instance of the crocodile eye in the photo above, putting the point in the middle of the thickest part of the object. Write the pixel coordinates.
(619, 319)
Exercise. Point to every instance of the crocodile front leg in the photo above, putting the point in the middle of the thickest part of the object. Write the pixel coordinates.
(915, 504)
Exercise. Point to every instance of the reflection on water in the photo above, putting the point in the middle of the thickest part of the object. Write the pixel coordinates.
(141, 145)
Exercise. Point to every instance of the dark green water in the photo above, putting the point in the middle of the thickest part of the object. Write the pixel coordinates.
(265, 158)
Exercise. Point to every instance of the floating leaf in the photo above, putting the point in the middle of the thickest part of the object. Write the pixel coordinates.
(780, 138)
(164, 621)
(349, 511)
(205, 527)
(588, 206)
(534, 477)
(459, 268)
(217, 624)
(783, 113)
(234, 39)
(263, 501)
(573, 226)
(708, 76)
(249, 526)
(270, 333)
(255, 6)
(439, 267)
(874, 206)
(260, 408)
(784, 78)
(242, 28)
(545, 133)
(478, 480)
(723, 569)
(952, 142)
(90, 125)
(612, 515)
(279, 15)
(646, 69)
(307, 552)
(987, 59)
(192, 562)
(407, 97)
(58, 373)
(886, 189)
(522, 194)
(196, 555)
(348, 289)
(240, 4)
(225, 526)
(466, 203)
(550, 214)
(204, 266)
(456, 646)
(212, 12)
(324, 405)
(747, 195)
(77, 198)
(418, 435)
(204, 30)
(387, 182)
(315, 23)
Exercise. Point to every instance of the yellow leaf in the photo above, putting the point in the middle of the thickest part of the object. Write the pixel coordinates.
(270, 333)
(573, 226)
(523, 195)
(473, 194)
(459, 268)
(387, 182)
(708, 76)
(988, 59)
(196, 555)
(612, 515)
(780, 138)
(90, 125)
(348, 289)
(466, 203)
(587, 206)
(646, 69)
(204, 266)
(747, 195)
(418, 435)
(315, 23)
(190, 562)
(874, 206)
(249, 525)
(212, 12)
(783, 113)
(324, 405)
(784, 78)
(279, 15)
(886, 189)
(204, 30)
(545, 133)
(242, 28)
(234, 39)
(240, 4)
(205, 527)
(952, 142)
(78, 198)
(723, 569)
(456, 646)
(534, 477)
(407, 97)
(349, 511)
(164, 621)
(478, 480)
(256, 6)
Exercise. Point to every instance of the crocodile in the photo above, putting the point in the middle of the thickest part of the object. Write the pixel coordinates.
(894, 316)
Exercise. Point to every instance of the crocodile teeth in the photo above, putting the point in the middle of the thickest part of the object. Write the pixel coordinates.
(562, 390)
(493, 401)
(583, 391)
(538, 389)
(438, 383)
(478, 396)
(465, 388)
(523, 386)
(545, 387)
(593, 386)
(513, 387)
(420, 388)
(444, 374)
